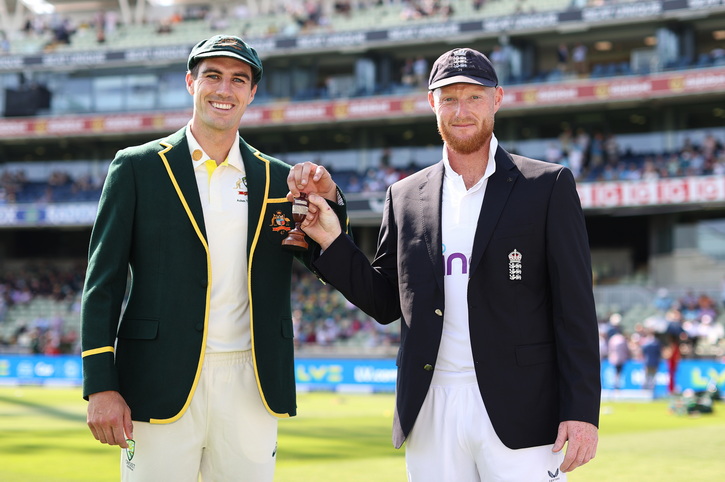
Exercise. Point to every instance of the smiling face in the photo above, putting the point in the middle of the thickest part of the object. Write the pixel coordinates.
(222, 89)
(465, 114)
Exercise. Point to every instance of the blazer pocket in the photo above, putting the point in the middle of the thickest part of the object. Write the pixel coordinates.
(527, 355)
(138, 329)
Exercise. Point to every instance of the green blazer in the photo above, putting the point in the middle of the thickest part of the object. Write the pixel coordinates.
(150, 221)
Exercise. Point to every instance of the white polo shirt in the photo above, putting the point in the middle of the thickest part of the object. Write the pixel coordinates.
(461, 208)
(224, 199)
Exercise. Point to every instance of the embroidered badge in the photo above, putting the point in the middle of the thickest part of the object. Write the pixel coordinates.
(279, 223)
(131, 450)
(515, 265)
(241, 187)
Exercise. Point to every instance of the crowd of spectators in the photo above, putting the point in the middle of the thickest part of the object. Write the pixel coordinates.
(59, 187)
(596, 156)
(684, 326)
(592, 157)
(321, 316)
(48, 333)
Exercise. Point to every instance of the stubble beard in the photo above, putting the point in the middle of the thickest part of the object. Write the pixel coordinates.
(467, 145)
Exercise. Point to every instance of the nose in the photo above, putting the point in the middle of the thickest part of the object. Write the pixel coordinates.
(224, 87)
(462, 108)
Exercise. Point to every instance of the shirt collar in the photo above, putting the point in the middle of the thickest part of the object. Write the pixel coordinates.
(234, 158)
(490, 167)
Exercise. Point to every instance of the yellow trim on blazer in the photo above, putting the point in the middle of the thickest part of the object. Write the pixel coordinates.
(249, 278)
(96, 351)
(208, 286)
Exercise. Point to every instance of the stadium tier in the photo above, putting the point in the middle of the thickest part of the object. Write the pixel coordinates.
(629, 95)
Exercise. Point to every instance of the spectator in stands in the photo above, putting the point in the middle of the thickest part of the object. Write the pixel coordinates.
(562, 57)
(663, 301)
(651, 357)
(183, 353)
(420, 71)
(650, 172)
(617, 354)
(4, 43)
(407, 74)
(486, 341)
(675, 335)
(501, 62)
(579, 59)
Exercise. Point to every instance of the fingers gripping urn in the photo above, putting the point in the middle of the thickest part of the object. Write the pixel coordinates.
(295, 240)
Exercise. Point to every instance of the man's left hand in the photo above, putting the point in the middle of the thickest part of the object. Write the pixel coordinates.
(582, 446)
(309, 177)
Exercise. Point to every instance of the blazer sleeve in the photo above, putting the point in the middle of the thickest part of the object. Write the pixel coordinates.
(106, 277)
(308, 256)
(574, 313)
(371, 287)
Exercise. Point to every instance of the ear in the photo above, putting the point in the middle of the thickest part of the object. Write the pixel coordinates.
(189, 83)
(431, 100)
(252, 93)
(498, 98)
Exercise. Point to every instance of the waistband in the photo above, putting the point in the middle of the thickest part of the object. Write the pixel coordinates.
(215, 359)
(443, 378)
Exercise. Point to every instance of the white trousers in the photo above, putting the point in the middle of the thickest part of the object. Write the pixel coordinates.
(225, 435)
(453, 440)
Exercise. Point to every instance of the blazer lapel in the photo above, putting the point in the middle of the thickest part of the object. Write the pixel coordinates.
(256, 171)
(497, 192)
(175, 155)
(430, 195)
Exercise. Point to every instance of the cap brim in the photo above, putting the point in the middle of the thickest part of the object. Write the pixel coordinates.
(222, 53)
(462, 79)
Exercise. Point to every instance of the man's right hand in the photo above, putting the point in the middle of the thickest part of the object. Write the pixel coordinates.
(321, 223)
(109, 418)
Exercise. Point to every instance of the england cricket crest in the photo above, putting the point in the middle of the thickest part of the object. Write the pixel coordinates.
(515, 265)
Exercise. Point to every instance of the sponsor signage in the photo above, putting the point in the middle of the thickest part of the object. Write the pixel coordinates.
(526, 97)
(703, 190)
(663, 192)
(360, 374)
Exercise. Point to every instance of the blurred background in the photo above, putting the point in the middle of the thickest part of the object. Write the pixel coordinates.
(628, 94)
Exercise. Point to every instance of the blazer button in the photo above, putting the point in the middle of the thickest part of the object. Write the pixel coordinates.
(204, 283)
(199, 327)
(439, 312)
(427, 367)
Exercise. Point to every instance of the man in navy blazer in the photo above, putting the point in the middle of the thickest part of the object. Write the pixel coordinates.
(484, 258)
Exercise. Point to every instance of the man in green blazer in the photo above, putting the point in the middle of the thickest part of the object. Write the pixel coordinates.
(192, 376)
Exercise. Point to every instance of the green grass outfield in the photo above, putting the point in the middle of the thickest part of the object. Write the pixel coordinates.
(43, 437)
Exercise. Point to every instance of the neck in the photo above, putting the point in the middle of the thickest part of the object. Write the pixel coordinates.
(216, 144)
(471, 166)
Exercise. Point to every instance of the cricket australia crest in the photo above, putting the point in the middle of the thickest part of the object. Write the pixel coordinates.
(280, 223)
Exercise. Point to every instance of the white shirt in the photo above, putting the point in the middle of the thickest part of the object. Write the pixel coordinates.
(459, 219)
(224, 200)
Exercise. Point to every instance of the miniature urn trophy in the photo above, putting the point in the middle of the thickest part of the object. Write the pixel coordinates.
(295, 240)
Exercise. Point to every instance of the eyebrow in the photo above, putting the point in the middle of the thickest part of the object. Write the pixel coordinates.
(214, 70)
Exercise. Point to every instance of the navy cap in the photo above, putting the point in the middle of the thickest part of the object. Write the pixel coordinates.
(462, 66)
(226, 46)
